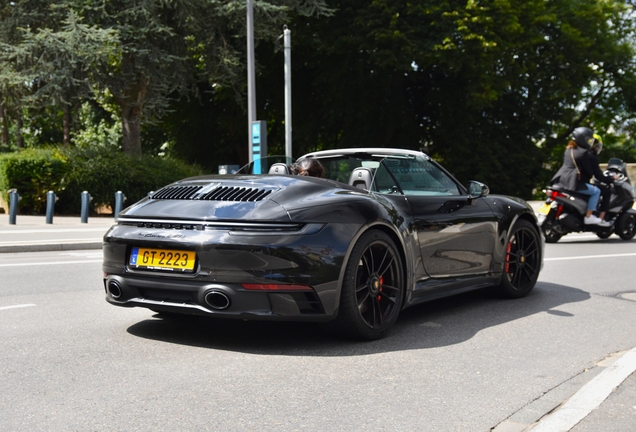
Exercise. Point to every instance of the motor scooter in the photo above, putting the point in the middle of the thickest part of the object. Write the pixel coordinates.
(564, 210)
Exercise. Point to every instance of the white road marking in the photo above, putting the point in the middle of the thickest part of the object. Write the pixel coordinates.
(66, 230)
(579, 236)
(82, 254)
(589, 256)
(56, 241)
(49, 263)
(589, 397)
(15, 306)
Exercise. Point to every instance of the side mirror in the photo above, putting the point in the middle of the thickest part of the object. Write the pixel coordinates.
(477, 189)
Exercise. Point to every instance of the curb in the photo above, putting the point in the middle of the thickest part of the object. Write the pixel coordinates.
(566, 405)
(49, 247)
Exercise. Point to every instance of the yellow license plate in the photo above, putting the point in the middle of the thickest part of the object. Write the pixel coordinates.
(544, 209)
(162, 259)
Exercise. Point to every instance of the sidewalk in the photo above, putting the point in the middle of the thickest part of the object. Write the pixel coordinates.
(33, 234)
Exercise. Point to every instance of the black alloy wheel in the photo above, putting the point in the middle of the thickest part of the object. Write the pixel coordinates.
(626, 226)
(550, 234)
(373, 288)
(522, 260)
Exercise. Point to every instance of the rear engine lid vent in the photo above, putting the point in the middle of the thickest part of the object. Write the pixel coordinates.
(217, 193)
(177, 192)
(226, 193)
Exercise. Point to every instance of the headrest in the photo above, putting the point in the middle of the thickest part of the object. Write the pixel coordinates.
(279, 168)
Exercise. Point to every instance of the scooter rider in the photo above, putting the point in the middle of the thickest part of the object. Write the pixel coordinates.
(606, 191)
(579, 166)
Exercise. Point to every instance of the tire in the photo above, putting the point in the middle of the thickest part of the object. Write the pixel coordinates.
(626, 226)
(550, 235)
(522, 261)
(372, 290)
(604, 235)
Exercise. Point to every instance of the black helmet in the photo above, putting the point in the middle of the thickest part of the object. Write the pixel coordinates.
(583, 137)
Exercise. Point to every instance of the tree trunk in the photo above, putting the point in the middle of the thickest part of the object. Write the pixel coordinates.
(131, 100)
(20, 138)
(66, 140)
(131, 125)
(4, 124)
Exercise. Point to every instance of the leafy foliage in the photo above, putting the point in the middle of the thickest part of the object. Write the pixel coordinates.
(141, 52)
(490, 88)
(102, 171)
(60, 63)
(33, 172)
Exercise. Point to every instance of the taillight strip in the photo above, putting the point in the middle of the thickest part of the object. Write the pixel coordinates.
(276, 287)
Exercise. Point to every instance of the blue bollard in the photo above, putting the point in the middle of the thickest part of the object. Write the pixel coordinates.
(119, 202)
(86, 199)
(13, 205)
(50, 206)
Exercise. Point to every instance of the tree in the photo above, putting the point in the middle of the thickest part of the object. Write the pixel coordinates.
(17, 83)
(60, 64)
(490, 88)
(168, 46)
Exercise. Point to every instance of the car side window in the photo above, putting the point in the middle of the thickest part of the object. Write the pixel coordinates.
(340, 168)
(384, 182)
(417, 176)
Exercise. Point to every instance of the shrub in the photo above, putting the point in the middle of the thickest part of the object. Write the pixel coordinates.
(102, 171)
(33, 172)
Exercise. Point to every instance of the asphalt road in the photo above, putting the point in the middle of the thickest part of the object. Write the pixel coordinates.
(70, 361)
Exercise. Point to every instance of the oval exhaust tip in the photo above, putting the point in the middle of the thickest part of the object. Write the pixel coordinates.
(217, 300)
(114, 289)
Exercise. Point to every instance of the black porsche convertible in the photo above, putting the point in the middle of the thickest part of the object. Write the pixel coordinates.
(382, 230)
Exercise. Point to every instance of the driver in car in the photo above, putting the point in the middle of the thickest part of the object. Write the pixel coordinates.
(308, 167)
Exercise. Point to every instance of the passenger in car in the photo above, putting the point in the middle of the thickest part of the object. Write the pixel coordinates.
(308, 167)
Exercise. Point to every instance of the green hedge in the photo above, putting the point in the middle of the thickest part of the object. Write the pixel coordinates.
(33, 172)
(100, 171)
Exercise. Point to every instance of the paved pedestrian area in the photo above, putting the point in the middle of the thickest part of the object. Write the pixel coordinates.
(33, 234)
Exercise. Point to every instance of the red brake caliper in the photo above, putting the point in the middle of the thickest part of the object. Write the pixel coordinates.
(381, 284)
(508, 249)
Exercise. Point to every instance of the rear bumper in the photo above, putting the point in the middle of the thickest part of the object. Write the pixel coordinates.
(214, 300)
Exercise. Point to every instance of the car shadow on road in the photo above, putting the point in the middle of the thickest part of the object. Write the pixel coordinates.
(438, 323)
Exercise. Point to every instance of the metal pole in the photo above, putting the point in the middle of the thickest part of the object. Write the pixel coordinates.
(119, 202)
(288, 110)
(251, 77)
(50, 206)
(86, 199)
(14, 197)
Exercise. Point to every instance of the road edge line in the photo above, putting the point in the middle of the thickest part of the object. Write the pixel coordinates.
(589, 397)
(16, 306)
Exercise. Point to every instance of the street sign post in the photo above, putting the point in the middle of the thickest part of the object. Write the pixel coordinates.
(258, 143)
